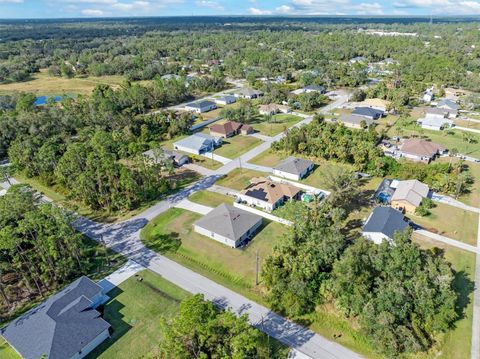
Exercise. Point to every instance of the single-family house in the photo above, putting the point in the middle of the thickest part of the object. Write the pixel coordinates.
(409, 195)
(198, 143)
(225, 100)
(355, 121)
(160, 155)
(435, 119)
(421, 150)
(228, 225)
(293, 168)
(273, 108)
(230, 128)
(450, 107)
(368, 112)
(201, 106)
(65, 326)
(267, 194)
(383, 223)
(428, 96)
(310, 88)
(248, 93)
(358, 59)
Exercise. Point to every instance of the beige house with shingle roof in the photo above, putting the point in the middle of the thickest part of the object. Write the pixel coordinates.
(409, 195)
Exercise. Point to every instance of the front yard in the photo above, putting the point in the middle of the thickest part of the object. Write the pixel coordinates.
(237, 145)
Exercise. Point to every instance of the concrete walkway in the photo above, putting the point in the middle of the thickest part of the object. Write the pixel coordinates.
(223, 190)
(193, 207)
(446, 240)
(437, 197)
(120, 275)
(200, 169)
(260, 136)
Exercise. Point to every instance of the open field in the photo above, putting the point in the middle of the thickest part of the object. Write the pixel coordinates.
(280, 123)
(239, 178)
(450, 222)
(172, 234)
(456, 343)
(235, 146)
(44, 84)
(134, 311)
(211, 199)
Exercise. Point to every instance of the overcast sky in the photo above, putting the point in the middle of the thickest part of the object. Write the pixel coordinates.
(99, 8)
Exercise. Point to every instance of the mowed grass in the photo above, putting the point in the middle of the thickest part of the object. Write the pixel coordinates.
(268, 158)
(239, 178)
(172, 234)
(44, 84)
(235, 146)
(134, 311)
(450, 222)
(456, 343)
(6, 351)
(211, 199)
(468, 124)
(280, 123)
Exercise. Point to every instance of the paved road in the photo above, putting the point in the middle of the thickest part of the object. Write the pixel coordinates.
(453, 202)
(446, 240)
(475, 349)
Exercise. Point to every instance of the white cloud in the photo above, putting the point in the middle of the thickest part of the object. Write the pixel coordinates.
(284, 9)
(442, 7)
(368, 9)
(256, 11)
(210, 4)
(92, 12)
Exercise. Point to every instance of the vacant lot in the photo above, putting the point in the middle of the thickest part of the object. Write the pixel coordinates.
(172, 234)
(279, 123)
(450, 222)
(235, 146)
(268, 158)
(44, 84)
(456, 343)
(239, 178)
(210, 199)
(134, 311)
(468, 124)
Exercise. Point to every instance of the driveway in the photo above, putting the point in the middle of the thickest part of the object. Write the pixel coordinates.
(193, 207)
(437, 197)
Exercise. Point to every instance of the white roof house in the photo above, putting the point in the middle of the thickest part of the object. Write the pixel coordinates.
(199, 143)
(225, 100)
(293, 168)
(435, 119)
(201, 107)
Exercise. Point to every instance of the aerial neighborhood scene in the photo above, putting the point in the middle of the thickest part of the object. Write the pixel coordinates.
(239, 179)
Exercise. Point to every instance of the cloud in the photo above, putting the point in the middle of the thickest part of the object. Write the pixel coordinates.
(11, 1)
(284, 9)
(210, 4)
(92, 12)
(441, 7)
(256, 11)
(368, 9)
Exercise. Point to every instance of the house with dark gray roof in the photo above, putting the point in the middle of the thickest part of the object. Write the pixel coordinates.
(383, 223)
(228, 225)
(368, 112)
(67, 325)
(355, 121)
(293, 168)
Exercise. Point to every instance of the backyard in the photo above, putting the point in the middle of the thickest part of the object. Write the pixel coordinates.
(278, 124)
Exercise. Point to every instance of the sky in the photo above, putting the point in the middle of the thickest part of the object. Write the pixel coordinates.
(112, 8)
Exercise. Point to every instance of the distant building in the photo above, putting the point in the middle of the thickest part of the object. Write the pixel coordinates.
(201, 107)
(383, 223)
(421, 150)
(368, 112)
(450, 107)
(228, 225)
(434, 120)
(248, 93)
(67, 325)
(428, 96)
(358, 59)
(225, 100)
(230, 128)
(198, 144)
(355, 121)
(293, 168)
(273, 108)
(408, 195)
(267, 194)
(178, 159)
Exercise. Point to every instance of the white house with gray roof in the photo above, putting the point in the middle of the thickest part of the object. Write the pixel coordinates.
(201, 106)
(65, 326)
(228, 225)
(383, 223)
(198, 143)
(293, 168)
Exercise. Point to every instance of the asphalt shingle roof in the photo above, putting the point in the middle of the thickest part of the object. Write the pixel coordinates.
(385, 220)
(294, 165)
(412, 191)
(61, 326)
(368, 112)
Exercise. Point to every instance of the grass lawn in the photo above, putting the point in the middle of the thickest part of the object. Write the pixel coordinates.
(6, 351)
(172, 234)
(268, 158)
(238, 179)
(211, 199)
(451, 222)
(318, 177)
(205, 162)
(280, 123)
(44, 84)
(235, 146)
(468, 124)
(456, 343)
(134, 311)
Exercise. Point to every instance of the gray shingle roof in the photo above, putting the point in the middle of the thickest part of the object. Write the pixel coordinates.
(448, 103)
(385, 220)
(368, 112)
(355, 120)
(228, 221)
(196, 141)
(294, 165)
(201, 104)
(61, 326)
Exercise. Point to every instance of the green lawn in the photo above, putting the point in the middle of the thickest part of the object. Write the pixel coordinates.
(210, 199)
(456, 343)
(235, 146)
(134, 311)
(205, 162)
(279, 124)
(268, 158)
(238, 179)
(6, 351)
(451, 222)
(172, 234)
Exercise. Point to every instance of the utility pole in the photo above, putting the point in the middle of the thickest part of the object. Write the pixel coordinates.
(257, 258)
(240, 163)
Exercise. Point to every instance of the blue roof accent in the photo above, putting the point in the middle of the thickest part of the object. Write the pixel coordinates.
(42, 100)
